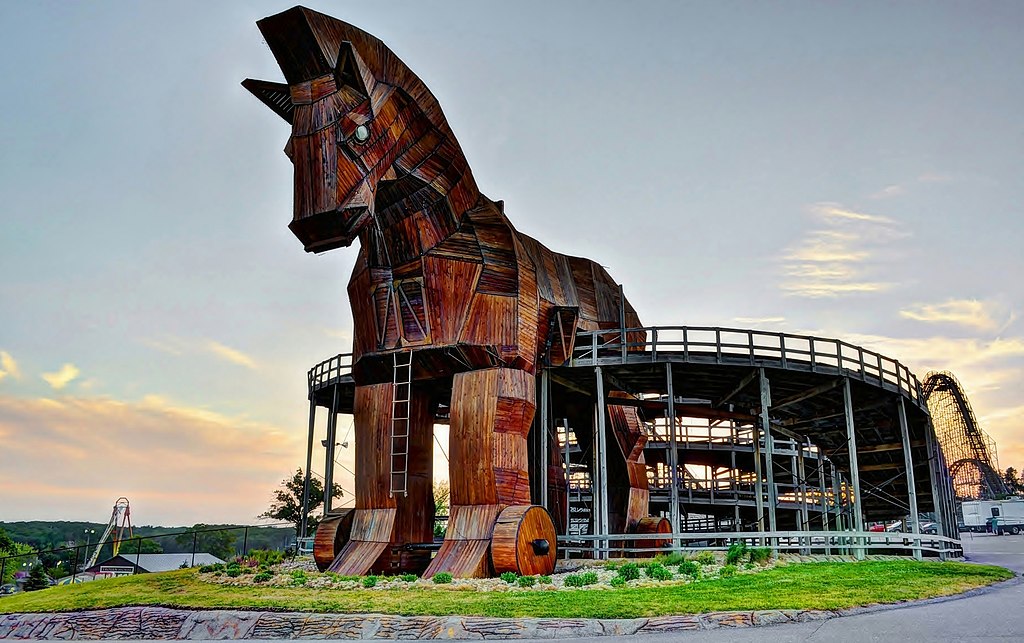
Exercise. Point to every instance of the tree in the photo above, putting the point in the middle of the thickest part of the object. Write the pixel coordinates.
(1013, 482)
(442, 500)
(6, 544)
(23, 553)
(138, 545)
(287, 503)
(219, 542)
(37, 579)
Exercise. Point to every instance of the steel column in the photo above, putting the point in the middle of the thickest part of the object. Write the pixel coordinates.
(915, 525)
(769, 447)
(601, 453)
(673, 456)
(934, 474)
(545, 426)
(309, 465)
(332, 435)
(805, 516)
(851, 446)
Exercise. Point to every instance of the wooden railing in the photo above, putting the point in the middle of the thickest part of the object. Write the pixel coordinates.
(736, 346)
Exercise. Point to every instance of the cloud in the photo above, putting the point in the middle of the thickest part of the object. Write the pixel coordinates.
(8, 366)
(839, 256)
(63, 377)
(759, 320)
(889, 191)
(177, 347)
(971, 313)
(230, 354)
(174, 462)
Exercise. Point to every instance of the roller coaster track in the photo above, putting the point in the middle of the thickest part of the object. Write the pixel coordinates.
(971, 453)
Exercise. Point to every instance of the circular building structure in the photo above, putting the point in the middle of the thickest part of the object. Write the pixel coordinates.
(678, 437)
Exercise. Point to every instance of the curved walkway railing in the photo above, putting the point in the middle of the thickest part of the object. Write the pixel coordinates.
(711, 345)
(737, 346)
(329, 371)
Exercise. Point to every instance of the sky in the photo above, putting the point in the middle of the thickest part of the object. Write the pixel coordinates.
(849, 170)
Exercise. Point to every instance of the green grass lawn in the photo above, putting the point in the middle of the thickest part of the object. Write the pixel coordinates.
(803, 586)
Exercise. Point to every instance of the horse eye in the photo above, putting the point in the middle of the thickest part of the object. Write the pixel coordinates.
(362, 134)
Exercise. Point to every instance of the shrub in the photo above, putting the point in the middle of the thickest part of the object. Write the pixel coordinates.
(369, 581)
(629, 571)
(574, 580)
(728, 571)
(408, 578)
(509, 577)
(689, 568)
(298, 578)
(760, 555)
(233, 572)
(248, 570)
(670, 559)
(544, 580)
(262, 577)
(266, 556)
(617, 581)
(705, 558)
(611, 565)
(589, 578)
(749, 565)
(526, 581)
(736, 552)
(206, 569)
(442, 578)
(657, 571)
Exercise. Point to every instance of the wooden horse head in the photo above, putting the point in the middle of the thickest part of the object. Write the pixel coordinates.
(374, 156)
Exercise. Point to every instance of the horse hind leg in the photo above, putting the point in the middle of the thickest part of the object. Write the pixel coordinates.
(382, 522)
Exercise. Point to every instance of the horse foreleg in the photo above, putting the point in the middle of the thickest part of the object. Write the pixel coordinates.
(491, 413)
(383, 521)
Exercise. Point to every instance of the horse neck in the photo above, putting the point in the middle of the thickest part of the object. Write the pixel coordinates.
(420, 208)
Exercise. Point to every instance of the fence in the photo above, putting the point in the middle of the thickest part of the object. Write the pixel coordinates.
(132, 548)
(857, 543)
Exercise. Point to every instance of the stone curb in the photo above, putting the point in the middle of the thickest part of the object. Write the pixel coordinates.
(162, 623)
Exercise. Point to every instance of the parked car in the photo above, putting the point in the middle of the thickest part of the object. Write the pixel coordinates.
(929, 528)
(8, 589)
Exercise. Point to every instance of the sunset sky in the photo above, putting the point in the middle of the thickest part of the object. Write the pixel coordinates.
(846, 170)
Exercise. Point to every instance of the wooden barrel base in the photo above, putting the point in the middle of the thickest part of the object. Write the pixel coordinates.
(331, 536)
(652, 525)
(524, 541)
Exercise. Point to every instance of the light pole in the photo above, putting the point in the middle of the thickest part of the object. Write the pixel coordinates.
(88, 538)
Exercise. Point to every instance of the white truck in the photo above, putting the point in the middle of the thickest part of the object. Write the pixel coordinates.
(998, 516)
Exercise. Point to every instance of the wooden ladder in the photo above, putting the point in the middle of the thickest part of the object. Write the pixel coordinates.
(400, 409)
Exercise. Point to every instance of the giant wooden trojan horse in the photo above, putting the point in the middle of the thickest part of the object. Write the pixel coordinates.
(442, 282)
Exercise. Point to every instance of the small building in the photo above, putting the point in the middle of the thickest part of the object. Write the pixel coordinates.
(128, 564)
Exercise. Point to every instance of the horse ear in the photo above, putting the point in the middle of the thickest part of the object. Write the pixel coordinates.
(350, 69)
(276, 96)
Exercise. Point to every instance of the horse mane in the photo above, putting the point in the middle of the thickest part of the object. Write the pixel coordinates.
(328, 35)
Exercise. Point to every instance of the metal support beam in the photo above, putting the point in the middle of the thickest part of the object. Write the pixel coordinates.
(673, 456)
(915, 525)
(545, 428)
(601, 453)
(769, 448)
(739, 387)
(805, 516)
(808, 394)
(332, 437)
(851, 447)
(309, 465)
(824, 497)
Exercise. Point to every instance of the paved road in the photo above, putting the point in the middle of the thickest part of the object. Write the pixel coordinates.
(996, 615)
